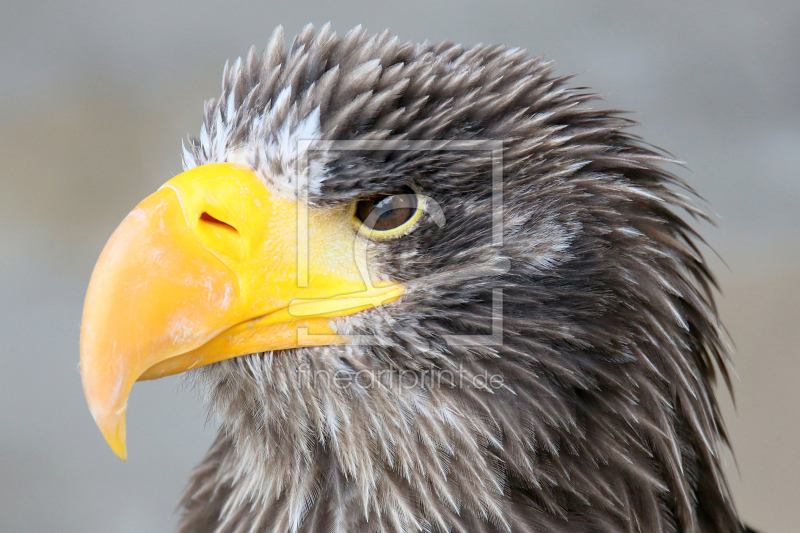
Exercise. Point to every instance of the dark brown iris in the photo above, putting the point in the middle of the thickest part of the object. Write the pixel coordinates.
(387, 211)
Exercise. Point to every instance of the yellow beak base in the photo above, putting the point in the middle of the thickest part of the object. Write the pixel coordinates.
(206, 269)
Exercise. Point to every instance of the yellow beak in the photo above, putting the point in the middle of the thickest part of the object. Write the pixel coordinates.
(213, 266)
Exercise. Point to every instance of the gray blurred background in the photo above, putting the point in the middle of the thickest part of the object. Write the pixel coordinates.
(95, 98)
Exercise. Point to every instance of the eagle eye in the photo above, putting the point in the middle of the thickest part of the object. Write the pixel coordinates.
(387, 215)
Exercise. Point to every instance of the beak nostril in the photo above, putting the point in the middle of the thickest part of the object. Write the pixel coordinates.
(219, 236)
(209, 219)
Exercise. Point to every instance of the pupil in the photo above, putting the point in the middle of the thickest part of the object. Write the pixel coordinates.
(387, 212)
(384, 209)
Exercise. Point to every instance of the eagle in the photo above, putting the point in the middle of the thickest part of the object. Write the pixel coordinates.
(423, 288)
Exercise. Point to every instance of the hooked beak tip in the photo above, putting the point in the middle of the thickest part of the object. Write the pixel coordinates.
(112, 426)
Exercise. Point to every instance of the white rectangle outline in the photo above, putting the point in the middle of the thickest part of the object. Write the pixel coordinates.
(306, 146)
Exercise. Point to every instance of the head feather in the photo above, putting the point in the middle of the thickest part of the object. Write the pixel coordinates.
(602, 416)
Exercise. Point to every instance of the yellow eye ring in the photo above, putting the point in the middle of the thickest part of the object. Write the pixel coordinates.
(388, 216)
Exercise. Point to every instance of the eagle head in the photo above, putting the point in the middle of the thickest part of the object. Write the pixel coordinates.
(423, 288)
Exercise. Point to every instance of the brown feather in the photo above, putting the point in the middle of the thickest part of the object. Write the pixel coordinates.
(606, 419)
